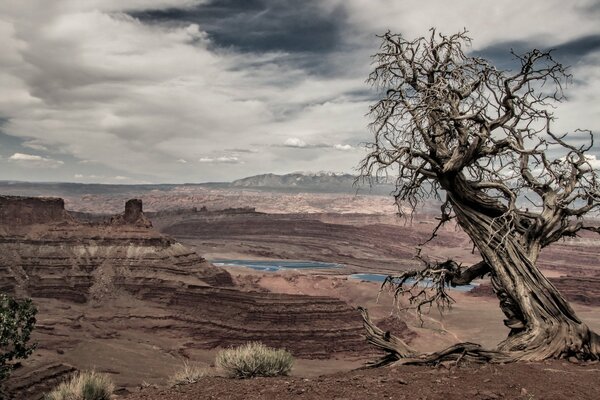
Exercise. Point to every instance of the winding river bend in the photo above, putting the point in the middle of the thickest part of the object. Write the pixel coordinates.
(278, 265)
(275, 265)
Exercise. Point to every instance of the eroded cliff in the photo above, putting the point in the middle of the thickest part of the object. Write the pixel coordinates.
(109, 289)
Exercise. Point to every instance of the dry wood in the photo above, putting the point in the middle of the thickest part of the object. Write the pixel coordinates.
(451, 124)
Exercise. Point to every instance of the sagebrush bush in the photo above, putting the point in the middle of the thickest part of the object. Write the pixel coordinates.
(84, 386)
(254, 359)
(188, 373)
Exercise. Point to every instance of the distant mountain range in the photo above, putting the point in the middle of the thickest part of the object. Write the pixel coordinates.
(326, 182)
(320, 182)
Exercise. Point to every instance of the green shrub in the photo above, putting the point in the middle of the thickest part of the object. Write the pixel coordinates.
(17, 319)
(84, 386)
(254, 359)
(188, 373)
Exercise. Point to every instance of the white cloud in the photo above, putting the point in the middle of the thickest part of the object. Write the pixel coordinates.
(30, 160)
(35, 145)
(182, 161)
(121, 178)
(343, 147)
(294, 142)
(103, 86)
(594, 161)
(549, 21)
(221, 160)
(78, 176)
(86, 80)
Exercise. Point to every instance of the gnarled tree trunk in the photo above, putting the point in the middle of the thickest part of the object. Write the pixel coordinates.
(542, 323)
(451, 123)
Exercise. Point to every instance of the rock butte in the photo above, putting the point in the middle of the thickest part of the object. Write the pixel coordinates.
(122, 280)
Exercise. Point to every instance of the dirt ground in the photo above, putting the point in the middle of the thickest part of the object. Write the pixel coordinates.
(548, 380)
(340, 379)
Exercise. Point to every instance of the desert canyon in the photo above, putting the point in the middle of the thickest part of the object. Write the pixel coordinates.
(135, 293)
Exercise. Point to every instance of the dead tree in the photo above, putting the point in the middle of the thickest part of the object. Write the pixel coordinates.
(453, 126)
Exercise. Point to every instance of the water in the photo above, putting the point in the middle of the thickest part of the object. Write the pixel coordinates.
(425, 282)
(278, 265)
(275, 265)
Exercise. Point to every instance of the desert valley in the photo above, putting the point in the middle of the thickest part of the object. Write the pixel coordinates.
(135, 288)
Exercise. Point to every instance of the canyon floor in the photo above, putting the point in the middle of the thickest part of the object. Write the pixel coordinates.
(383, 243)
(139, 323)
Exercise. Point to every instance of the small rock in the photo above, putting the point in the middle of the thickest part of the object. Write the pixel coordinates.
(487, 380)
(573, 360)
(402, 381)
(524, 392)
(447, 364)
(489, 395)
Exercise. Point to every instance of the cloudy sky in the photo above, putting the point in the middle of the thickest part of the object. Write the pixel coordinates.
(126, 91)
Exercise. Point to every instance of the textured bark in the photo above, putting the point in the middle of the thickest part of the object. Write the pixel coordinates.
(398, 352)
(451, 123)
(395, 347)
(543, 324)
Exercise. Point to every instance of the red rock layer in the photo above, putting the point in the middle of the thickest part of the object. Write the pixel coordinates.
(120, 281)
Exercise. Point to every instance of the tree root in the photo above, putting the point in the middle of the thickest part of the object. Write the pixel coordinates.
(398, 352)
(395, 347)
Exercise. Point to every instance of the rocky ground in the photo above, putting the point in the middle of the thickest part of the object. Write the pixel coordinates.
(549, 380)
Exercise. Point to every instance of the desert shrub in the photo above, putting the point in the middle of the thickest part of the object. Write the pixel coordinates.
(17, 319)
(254, 359)
(84, 386)
(188, 373)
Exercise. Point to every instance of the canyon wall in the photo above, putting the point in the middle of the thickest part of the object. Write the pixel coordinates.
(122, 282)
(16, 211)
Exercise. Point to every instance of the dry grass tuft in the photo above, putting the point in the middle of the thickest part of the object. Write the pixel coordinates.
(188, 373)
(254, 359)
(84, 386)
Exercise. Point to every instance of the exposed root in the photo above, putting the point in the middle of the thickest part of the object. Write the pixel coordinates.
(398, 352)
(395, 347)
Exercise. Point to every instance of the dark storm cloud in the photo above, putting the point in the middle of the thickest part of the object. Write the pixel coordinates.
(567, 53)
(260, 25)
(8, 143)
(204, 90)
(574, 50)
(591, 9)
